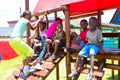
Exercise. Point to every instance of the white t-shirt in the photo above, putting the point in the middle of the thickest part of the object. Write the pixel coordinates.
(94, 37)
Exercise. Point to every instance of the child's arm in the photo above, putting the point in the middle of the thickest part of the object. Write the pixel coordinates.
(34, 35)
(101, 47)
(33, 25)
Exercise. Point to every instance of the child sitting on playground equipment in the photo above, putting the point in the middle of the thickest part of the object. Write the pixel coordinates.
(57, 41)
(94, 45)
(78, 41)
(37, 39)
(47, 35)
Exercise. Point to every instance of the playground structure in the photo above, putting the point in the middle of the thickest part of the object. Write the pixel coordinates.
(113, 54)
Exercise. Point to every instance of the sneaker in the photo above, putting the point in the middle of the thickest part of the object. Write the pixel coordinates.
(32, 70)
(38, 66)
(23, 76)
(89, 76)
(73, 74)
(65, 49)
(35, 55)
(26, 70)
(54, 57)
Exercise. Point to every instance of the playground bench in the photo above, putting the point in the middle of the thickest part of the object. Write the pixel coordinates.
(109, 53)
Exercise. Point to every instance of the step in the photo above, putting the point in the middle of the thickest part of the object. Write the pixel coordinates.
(95, 72)
(42, 73)
(16, 73)
(48, 66)
(11, 78)
(33, 78)
(55, 61)
(59, 54)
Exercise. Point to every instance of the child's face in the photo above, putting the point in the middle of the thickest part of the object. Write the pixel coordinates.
(29, 16)
(92, 23)
(83, 24)
(41, 27)
(59, 27)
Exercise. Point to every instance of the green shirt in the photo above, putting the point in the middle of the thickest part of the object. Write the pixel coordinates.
(20, 28)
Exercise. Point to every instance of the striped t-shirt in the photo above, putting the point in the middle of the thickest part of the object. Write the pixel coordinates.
(20, 28)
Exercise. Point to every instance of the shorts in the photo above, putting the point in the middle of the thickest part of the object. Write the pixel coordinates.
(87, 49)
(62, 44)
(81, 43)
(73, 44)
(21, 48)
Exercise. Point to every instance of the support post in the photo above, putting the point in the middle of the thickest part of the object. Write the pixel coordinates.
(28, 30)
(119, 71)
(99, 18)
(57, 67)
(67, 30)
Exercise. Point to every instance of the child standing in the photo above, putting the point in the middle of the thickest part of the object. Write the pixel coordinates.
(94, 45)
(16, 42)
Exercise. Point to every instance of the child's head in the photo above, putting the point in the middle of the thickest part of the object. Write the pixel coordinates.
(42, 26)
(83, 24)
(58, 19)
(93, 22)
(26, 14)
(59, 27)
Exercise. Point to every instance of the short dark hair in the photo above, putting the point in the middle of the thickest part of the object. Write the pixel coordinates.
(25, 13)
(58, 19)
(94, 18)
(83, 20)
(43, 23)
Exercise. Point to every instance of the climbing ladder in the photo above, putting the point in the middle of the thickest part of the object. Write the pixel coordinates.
(48, 66)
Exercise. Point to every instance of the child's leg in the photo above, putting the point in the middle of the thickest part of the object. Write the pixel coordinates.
(77, 63)
(57, 42)
(48, 42)
(81, 66)
(93, 51)
(91, 63)
(23, 49)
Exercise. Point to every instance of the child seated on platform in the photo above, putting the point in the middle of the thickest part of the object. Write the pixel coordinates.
(94, 45)
(57, 41)
(37, 38)
(47, 35)
(78, 41)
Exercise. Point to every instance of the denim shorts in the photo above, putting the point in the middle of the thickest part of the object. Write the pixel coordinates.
(89, 48)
